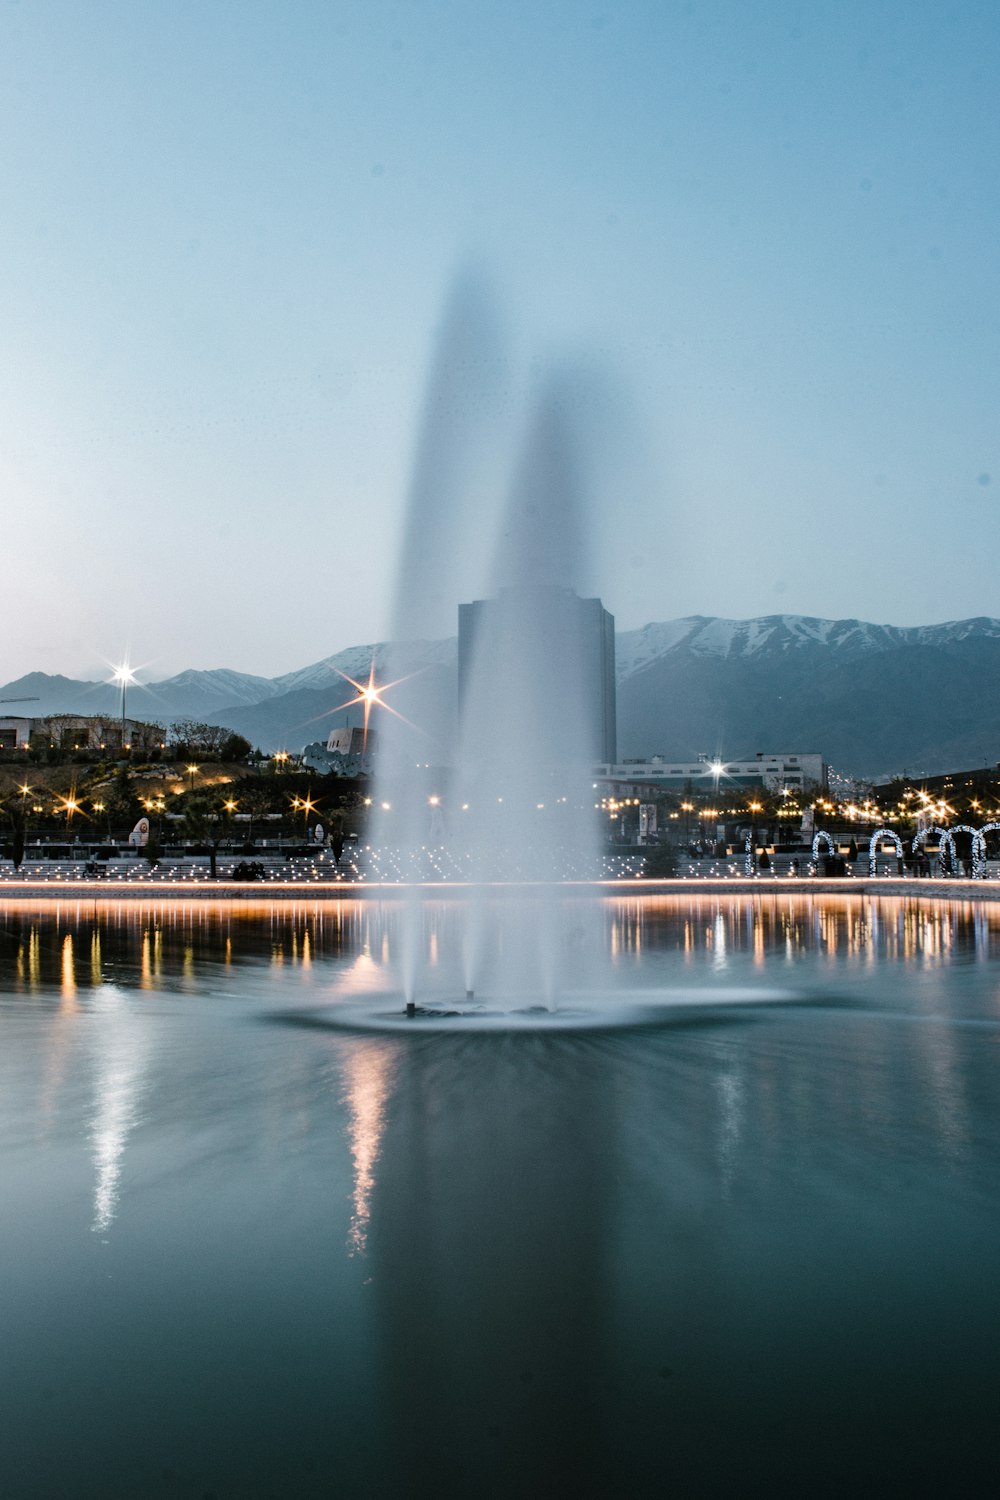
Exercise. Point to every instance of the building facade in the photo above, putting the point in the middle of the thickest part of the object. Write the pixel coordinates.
(794, 772)
(67, 732)
(352, 741)
(552, 657)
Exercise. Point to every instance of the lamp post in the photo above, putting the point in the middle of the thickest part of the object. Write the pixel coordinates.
(70, 806)
(123, 678)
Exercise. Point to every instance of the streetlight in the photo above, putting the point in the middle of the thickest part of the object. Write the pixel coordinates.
(192, 773)
(70, 806)
(123, 677)
(754, 810)
(99, 808)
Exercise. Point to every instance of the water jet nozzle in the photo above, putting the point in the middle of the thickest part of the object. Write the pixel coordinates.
(411, 1008)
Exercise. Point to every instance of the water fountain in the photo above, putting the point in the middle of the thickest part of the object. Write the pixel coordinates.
(562, 1255)
(519, 816)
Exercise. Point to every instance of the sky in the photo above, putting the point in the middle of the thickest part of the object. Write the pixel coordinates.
(228, 235)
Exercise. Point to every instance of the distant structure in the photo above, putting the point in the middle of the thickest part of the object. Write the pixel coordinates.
(67, 732)
(352, 741)
(785, 772)
(980, 782)
(580, 638)
(347, 752)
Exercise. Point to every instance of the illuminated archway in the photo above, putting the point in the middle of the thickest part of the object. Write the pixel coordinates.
(876, 838)
(944, 838)
(831, 847)
(963, 828)
(979, 864)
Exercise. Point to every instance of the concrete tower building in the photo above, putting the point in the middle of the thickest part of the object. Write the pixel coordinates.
(572, 645)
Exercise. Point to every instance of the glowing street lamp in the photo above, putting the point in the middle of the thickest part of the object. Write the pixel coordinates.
(123, 677)
(69, 807)
(754, 810)
(306, 806)
(369, 695)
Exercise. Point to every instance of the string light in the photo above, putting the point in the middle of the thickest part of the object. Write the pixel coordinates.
(882, 833)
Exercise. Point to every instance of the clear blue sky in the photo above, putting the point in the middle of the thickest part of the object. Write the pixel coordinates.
(227, 231)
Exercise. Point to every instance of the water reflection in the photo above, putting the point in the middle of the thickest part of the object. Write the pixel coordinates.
(862, 929)
(121, 1053)
(677, 1258)
(73, 946)
(67, 974)
(493, 1218)
(368, 1073)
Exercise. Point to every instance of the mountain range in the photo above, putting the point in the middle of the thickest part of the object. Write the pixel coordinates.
(874, 700)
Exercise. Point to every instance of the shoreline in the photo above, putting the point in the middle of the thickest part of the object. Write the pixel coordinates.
(279, 892)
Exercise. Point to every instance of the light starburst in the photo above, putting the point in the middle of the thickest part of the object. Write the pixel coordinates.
(370, 695)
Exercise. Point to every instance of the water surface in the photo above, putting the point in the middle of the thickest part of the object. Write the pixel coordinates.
(727, 1248)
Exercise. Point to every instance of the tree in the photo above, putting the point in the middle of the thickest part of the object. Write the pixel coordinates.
(17, 814)
(121, 803)
(235, 747)
(189, 735)
(207, 821)
(660, 862)
(254, 802)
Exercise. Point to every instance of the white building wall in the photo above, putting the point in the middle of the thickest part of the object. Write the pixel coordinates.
(792, 769)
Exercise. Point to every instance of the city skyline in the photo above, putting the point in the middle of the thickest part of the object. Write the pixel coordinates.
(229, 241)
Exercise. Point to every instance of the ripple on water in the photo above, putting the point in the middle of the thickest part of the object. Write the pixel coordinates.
(386, 1011)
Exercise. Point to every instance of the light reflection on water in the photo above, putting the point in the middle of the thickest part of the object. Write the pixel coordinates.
(149, 944)
(625, 1261)
(368, 1080)
(121, 1047)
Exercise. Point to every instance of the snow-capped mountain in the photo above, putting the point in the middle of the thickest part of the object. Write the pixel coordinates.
(873, 699)
(188, 695)
(779, 634)
(357, 661)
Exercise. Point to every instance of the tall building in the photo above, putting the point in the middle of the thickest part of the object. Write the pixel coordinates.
(552, 654)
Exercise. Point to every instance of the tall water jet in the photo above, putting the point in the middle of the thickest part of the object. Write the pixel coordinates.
(536, 691)
(442, 543)
(536, 670)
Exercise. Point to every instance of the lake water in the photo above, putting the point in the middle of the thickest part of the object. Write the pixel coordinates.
(732, 1229)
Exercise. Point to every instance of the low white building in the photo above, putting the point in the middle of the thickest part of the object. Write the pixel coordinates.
(67, 732)
(786, 771)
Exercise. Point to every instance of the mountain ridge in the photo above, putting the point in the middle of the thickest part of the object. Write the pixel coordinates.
(872, 698)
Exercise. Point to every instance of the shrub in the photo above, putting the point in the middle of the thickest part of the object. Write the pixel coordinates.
(660, 862)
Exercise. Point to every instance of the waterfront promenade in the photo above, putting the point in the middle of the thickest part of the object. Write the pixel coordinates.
(317, 882)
